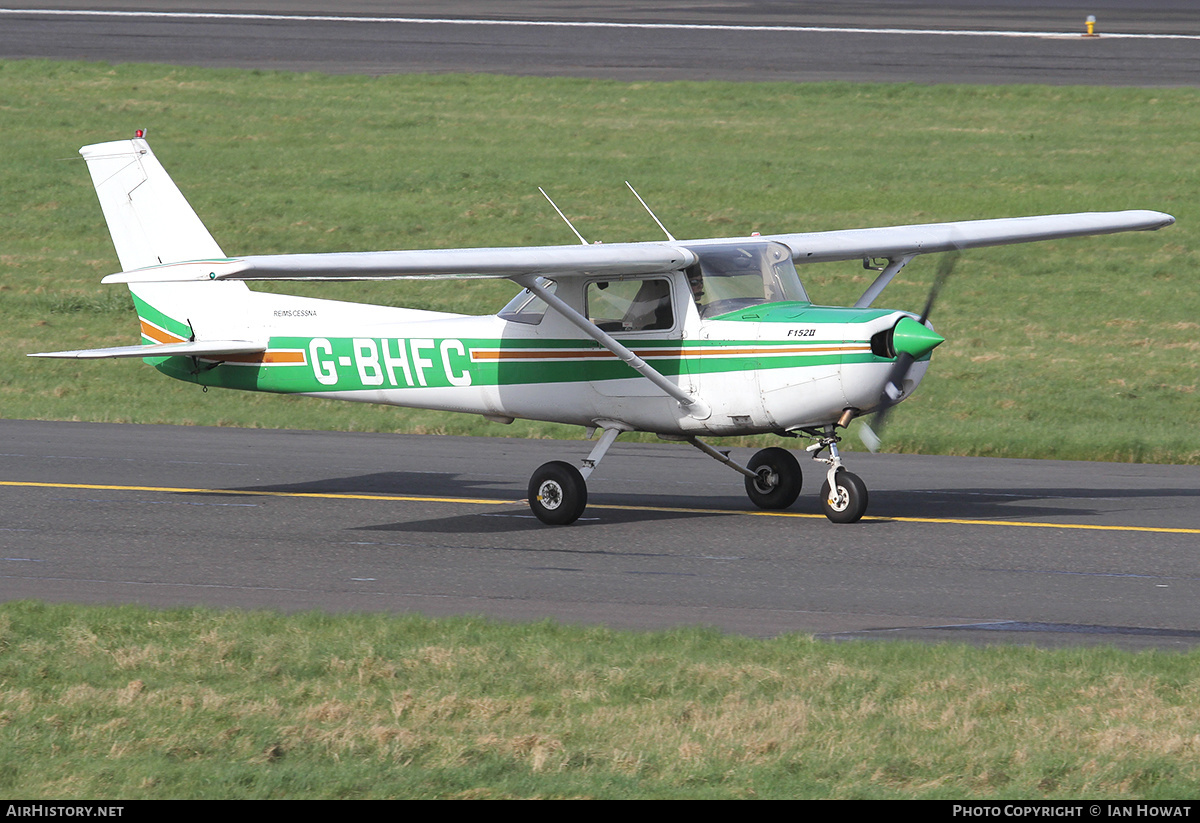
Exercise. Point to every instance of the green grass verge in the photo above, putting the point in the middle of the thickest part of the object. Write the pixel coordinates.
(1075, 349)
(127, 702)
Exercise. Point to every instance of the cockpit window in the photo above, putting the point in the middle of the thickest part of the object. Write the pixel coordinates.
(732, 276)
(629, 305)
(527, 307)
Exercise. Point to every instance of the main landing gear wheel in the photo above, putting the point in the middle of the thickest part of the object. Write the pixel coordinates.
(850, 502)
(776, 483)
(557, 493)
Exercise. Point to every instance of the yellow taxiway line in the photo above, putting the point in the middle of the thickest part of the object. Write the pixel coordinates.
(944, 521)
(328, 495)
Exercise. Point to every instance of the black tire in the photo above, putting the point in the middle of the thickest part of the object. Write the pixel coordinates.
(777, 484)
(557, 493)
(851, 504)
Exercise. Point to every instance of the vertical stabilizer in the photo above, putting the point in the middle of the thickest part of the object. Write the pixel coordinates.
(150, 221)
(152, 224)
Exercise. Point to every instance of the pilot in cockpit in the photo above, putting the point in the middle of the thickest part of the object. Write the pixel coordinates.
(695, 281)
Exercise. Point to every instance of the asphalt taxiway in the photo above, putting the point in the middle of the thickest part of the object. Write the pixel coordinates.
(979, 550)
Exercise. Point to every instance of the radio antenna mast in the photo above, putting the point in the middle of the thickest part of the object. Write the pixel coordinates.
(563, 216)
(652, 214)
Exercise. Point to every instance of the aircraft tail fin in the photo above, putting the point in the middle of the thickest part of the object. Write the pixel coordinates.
(150, 221)
(152, 224)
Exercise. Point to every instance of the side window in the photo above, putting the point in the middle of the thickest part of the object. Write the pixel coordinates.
(630, 305)
(527, 307)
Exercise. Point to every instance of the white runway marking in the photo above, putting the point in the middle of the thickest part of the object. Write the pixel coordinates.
(446, 21)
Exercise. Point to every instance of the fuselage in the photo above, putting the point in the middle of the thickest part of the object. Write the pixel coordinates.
(766, 366)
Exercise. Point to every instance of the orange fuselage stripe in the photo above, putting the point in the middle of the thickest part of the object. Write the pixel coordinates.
(280, 357)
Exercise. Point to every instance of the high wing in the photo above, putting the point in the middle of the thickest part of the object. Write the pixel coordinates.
(900, 244)
(894, 242)
(435, 264)
(891, 242)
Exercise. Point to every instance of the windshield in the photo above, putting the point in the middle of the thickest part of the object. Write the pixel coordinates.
(732, 276)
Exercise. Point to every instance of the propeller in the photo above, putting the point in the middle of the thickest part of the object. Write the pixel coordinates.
(910, 339)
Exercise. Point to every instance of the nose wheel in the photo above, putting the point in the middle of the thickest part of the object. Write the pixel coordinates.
(843, 494)
(846, 500)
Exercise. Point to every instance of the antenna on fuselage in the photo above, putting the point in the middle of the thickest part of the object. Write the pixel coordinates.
(652, 214)
(563, 216)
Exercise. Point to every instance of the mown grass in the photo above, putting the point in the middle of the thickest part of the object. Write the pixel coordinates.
(127, 702)
(1079, 349)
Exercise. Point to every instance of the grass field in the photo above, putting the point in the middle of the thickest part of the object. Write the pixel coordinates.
(1080, 349)
(132, 703)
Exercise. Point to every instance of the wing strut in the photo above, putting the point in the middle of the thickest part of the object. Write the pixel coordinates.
(696, 408)
(881, 282)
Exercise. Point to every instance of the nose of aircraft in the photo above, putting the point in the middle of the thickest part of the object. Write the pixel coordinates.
(915, 339)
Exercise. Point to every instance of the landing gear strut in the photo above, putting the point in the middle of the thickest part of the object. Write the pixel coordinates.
(558, 491)
(843, 494)
(773, 477)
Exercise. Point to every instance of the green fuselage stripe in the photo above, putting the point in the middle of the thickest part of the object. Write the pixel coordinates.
(303, 364)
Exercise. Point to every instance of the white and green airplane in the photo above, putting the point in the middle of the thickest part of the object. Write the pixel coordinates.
(682, 338)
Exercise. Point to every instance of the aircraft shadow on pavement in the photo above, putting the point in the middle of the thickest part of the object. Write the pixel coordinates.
(400, 484)
(519, 519)
(514, 518)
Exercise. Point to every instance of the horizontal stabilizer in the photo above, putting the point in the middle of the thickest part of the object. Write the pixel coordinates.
(198, 348)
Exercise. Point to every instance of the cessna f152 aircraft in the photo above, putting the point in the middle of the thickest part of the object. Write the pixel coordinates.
(682, 338)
